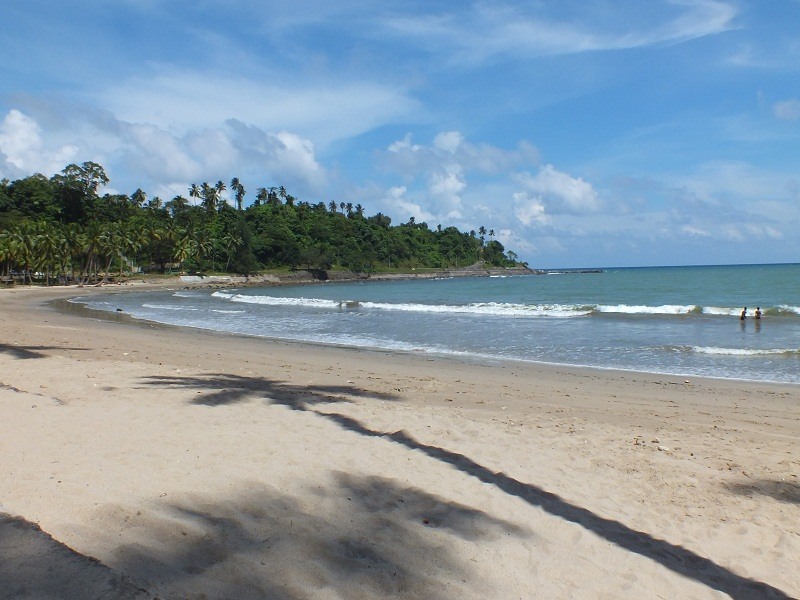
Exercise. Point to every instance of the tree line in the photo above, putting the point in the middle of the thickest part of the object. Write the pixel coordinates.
(60, 230)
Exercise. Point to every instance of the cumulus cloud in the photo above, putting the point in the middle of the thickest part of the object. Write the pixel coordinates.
(529, 209)
(24, 152)
(150, 155)
(788, 110)
(561, 192)
(441, 172)
(396, 202)
(407, 158)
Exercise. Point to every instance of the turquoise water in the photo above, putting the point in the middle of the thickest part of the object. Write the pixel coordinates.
(675, 320)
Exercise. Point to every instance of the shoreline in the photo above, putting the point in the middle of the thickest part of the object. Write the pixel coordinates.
(188, 461)
(214, 283)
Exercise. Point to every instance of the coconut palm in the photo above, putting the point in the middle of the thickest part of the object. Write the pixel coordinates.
(177, 205)
(219, 187)
(184, 248)
(204, 244)
(138, 198)
(92, 244)
(210, 196)
(230, 242)
(238, 190)
(194, 191)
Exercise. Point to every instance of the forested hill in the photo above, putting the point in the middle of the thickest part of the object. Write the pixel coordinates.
(62, 228)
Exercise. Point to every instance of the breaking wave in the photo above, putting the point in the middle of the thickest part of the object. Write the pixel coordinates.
(713, 350)
(502, 309)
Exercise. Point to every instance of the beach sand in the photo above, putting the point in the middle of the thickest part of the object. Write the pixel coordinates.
(140, 461)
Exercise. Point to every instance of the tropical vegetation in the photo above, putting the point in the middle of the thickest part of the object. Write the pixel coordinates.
(60, 229)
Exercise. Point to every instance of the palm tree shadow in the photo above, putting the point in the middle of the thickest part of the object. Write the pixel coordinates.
(219, 389)
(29, 352)
(231, 389)
(783, 491)
(672, 556)
(366, 537)
(34, 565)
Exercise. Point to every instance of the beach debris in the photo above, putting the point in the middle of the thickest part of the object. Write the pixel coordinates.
(655, 440)
(663, 449)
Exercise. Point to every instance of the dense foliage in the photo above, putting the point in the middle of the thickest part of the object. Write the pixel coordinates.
(60, 229)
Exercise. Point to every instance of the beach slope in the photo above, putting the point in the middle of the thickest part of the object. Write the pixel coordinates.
(141, 461)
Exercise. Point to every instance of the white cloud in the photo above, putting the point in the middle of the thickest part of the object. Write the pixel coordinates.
(296, 157)
(450, 147)
(396, 203)
(440, 173)
(529, 209)
(562, 192)
(494, 29)
(788, 110)
(24, 150)
(184, 101)
(694, 231)
(449, 141)
(150, 156)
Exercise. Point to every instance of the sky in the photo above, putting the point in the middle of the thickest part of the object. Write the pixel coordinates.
(584, 133)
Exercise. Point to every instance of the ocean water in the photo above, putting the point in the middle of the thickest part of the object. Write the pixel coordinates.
(673, 320)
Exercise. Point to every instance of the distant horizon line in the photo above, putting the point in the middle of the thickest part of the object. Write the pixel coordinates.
(607, 268)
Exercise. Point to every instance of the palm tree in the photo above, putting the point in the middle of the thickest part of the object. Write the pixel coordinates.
(194, 192)
(238, 190)
(49, 250)
(184, 247)
(127, 242)
(231, 243)
(138, 198)
(5, 251)
(204, 244)
(73, 240)
(91, 243)
(219, 187)
(177, 205)
(23, 245)
(210, 196)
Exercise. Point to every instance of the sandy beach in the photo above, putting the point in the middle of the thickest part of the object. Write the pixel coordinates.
(142, 461)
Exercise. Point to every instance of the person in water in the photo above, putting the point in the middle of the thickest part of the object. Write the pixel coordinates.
(758, 312)
(743, 316)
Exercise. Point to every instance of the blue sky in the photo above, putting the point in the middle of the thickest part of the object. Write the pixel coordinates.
(585, 133)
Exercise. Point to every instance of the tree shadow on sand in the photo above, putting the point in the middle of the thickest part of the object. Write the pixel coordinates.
(28, 352)
(783, 491)
(361, 537)
(34, 565)
(672, 556)
(221, 389)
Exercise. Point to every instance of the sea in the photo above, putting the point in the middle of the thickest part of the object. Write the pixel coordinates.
(681, 321)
